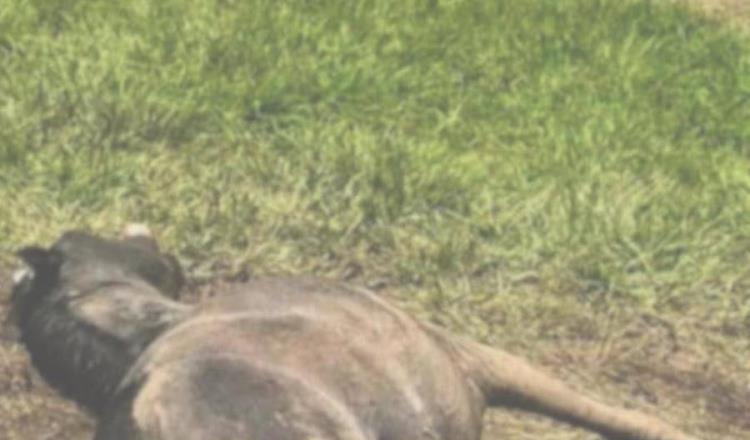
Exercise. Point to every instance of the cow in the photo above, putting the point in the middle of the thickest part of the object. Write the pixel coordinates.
(273, 358)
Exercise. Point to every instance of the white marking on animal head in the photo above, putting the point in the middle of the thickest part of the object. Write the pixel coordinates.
(22, 274)
(136, 230)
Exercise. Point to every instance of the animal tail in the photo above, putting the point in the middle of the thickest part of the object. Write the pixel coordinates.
(509, 381)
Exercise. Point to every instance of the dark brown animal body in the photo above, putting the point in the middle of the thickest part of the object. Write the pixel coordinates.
(278, 359)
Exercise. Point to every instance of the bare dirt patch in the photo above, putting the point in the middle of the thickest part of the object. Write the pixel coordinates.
(737, 11)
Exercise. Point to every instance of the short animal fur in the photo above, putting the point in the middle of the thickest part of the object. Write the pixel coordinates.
(271, 359)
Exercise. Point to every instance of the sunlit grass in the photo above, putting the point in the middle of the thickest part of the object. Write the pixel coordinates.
(600, 146)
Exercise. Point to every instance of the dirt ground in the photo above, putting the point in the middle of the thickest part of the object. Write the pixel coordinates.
(737, 11)
(645, 368)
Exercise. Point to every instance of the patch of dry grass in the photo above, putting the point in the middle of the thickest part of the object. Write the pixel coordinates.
(735, 11)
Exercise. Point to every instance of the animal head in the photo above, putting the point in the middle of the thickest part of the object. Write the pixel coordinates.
(79, 259)
(87, 306)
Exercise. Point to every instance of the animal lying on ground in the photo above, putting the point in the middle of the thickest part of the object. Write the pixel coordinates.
(270, 359)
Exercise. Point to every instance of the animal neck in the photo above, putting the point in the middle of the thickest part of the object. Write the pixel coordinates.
(85, 347)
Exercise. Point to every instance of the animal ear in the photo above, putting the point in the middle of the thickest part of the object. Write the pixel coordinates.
(41, 260)
(173, 286)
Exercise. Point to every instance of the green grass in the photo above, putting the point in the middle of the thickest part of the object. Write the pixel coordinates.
(479, 155)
